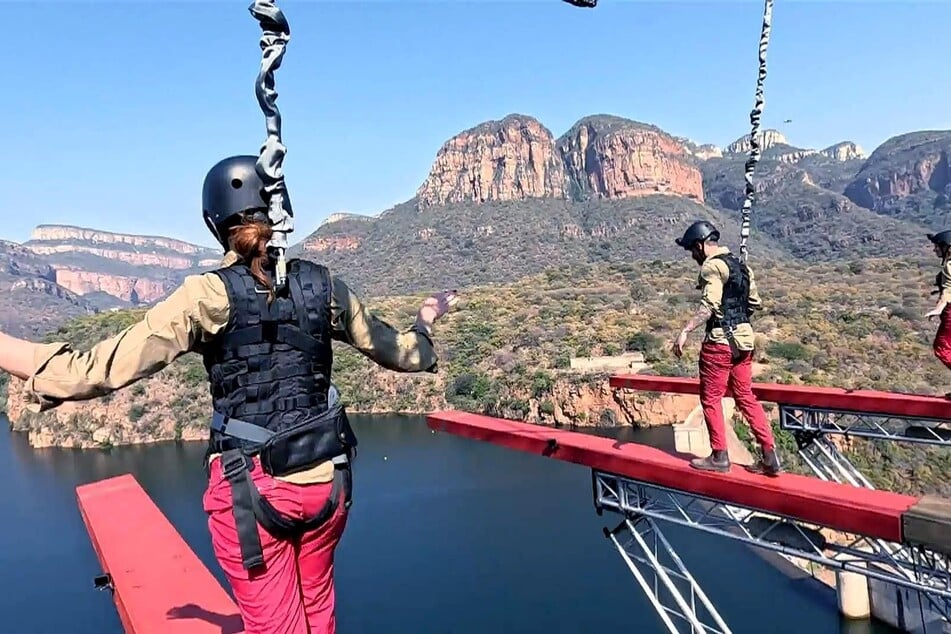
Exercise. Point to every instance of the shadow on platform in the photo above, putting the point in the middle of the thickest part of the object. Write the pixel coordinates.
(229, 623)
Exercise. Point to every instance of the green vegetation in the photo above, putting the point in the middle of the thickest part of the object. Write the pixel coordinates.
(467, 244)
(504, 351)
(85, 332)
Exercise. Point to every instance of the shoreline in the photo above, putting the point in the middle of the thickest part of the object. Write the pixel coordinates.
(202, 435)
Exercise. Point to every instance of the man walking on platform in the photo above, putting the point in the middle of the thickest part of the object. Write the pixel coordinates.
(728, 298)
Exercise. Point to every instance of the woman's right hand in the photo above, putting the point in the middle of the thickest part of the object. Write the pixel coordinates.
(436, 305)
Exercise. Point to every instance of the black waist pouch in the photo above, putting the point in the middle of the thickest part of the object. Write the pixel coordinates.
(308, 442)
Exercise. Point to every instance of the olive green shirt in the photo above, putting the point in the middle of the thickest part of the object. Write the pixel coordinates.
(194, 313)
(713, 275)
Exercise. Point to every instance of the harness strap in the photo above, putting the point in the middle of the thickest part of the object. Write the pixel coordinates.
(250, 508)
(239, 429)
(270, 332)
(280, 373)
(235, 467)
(282, 405)
(285, 528)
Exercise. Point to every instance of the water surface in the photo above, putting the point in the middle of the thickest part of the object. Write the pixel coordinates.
(446, 535)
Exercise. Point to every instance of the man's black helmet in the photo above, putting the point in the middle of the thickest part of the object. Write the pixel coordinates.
(942, 238)
(232, 187)
(698, 232)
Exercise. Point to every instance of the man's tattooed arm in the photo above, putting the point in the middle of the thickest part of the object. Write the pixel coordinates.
(701, 316)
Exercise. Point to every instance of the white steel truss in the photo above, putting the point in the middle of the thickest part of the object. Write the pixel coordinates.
(676, 595)
(815, 420)
(810, 427)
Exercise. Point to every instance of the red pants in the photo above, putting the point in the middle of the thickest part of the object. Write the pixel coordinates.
(718, 372)
(942, 339)
(294, 592)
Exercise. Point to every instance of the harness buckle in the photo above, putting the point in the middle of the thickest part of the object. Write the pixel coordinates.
(234, 463)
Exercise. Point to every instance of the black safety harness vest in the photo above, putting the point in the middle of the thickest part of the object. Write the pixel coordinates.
(269, 370)
(939, 279)
(735, 303)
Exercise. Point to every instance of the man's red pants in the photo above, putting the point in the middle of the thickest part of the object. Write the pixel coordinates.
(294, 592)
(718, 373)
(942, 339)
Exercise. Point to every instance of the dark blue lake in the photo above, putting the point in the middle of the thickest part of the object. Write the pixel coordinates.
(446, 536)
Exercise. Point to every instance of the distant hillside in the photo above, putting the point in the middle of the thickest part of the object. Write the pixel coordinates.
(908, 177)
(462, 244)
(31, 302)
(507, 198)
(506, 351)
(133, 269)
(801, 204)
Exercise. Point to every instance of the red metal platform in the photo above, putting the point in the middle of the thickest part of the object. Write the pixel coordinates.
(828, 398)
(159, 583)
(878, 514)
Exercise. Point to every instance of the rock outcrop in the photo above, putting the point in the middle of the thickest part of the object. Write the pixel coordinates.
(344, 215)
(131, 268)
(511, 159)
(611, 157)
(904, 166)
(844, 151)
(31, 302)
(161, 260)
(63, 233)
(330, 244)
(135, 290)
(702, 152)
(338, 233)
(767, 139)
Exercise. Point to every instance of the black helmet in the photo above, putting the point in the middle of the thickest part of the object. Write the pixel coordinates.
(231, 188)
(942, 238)
(698, 232)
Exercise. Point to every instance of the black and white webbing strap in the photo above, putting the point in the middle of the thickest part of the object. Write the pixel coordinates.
(755, 116)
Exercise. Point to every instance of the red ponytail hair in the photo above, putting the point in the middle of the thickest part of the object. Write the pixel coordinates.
(249, 241)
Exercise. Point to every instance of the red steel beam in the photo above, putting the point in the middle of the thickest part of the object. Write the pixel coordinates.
(159, 583)
(832, 398)
(857, 510)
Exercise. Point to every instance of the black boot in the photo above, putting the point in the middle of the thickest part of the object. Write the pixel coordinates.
(719, 461)
(767, 465)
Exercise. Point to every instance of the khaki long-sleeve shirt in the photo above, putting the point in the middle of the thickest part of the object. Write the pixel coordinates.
(194, 313)
(713, 276)
(944, 281)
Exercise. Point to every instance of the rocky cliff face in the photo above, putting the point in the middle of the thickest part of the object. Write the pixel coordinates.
(330, 244)
(767, 139)
(343, 215)
(600, 157)
(63, 233)
(911, 165)
(511, 159)
(610, 157)
(699, 151)
(31, 301)
(844, 151)
(161, 260)
(135, 290)
(131, 268)
(340, 234)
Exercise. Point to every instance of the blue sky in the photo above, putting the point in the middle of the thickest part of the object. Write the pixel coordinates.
(115, 110)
